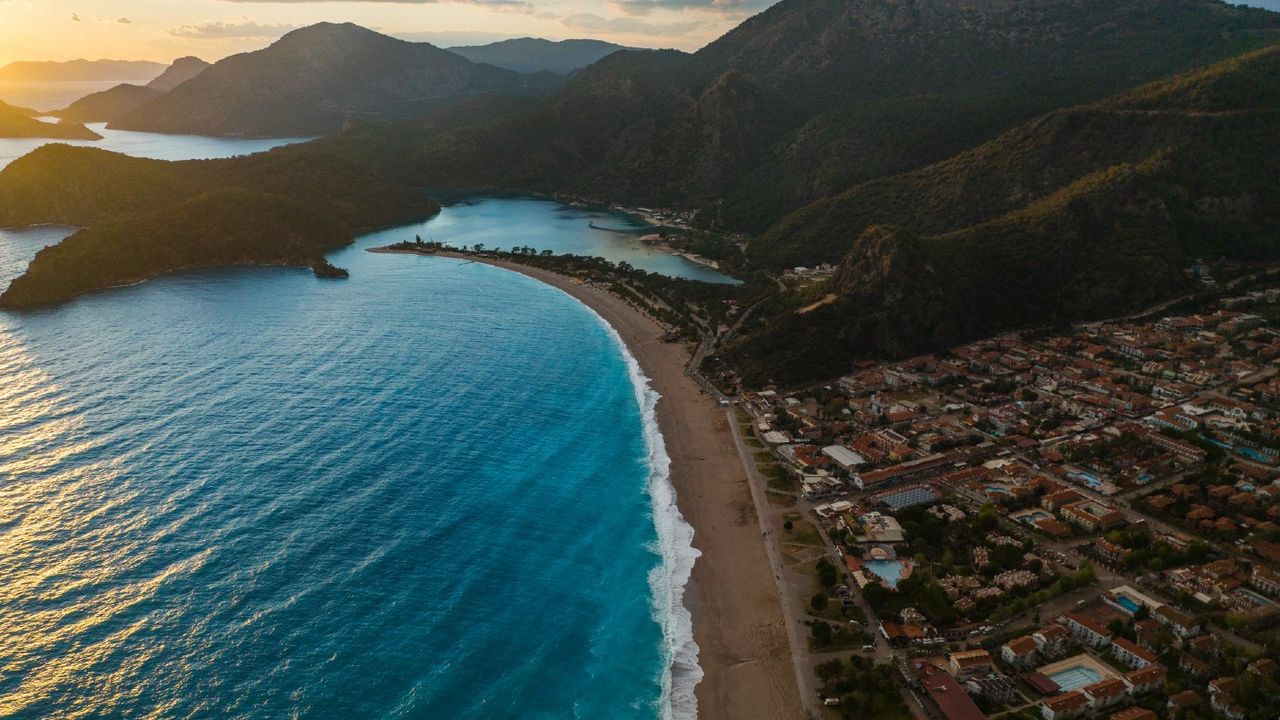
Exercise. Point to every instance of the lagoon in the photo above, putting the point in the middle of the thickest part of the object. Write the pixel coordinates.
(544, 224)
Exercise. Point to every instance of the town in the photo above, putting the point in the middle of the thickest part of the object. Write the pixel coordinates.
(1058, 524)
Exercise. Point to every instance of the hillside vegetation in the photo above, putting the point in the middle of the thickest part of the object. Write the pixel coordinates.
(533, 55)
(1084, 213)
(812, 97)
(182, 70)
(147, 217)
(221, 227)
(108, 105)
(314, 80)
(18, 122)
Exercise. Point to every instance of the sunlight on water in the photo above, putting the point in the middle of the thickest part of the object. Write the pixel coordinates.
(256, 494)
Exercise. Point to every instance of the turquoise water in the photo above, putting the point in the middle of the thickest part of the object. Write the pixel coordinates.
(523, 222)
(888, 570)
(1128, 604)
(257, 494)
(1072, 678)
(149, 145)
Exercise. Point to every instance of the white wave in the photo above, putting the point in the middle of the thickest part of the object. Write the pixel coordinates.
(668, 580)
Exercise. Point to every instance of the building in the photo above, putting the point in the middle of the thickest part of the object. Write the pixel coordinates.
(842, 456)
(1185, 700)
(969, 663)
(1066, 705)
(1020, 652)
(1105, 693)
(1148, 632)
(1092, 516)
(1145, 679)
(1182, 624)
(993, 687)
(1131, 653)
(1088, 631)
(1052, 640)
(1134, 713)
(1265, 580)
(924, 467)
(946, 692)
(1109, 552)
(1265, 668)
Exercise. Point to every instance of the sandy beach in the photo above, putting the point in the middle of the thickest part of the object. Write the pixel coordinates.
(737, 616)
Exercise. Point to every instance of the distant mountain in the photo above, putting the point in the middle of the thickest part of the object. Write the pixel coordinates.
(812, 97)
(18, 123)
(1081, 214)
(313, 80)
(182, 70)
(108, 105)
(115, 103)
(531, 55)
(122, 70)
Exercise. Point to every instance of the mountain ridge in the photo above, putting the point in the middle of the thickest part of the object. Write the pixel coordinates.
(529, 55)
(864, 88)
(81, 70)
(1126, 198)
(314, 80)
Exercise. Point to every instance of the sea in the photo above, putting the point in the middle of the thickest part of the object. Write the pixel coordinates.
(149, 145)
(253, 493)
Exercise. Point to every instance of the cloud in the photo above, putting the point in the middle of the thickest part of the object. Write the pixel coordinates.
(724, 7)
(238, 29)
(75, 17)
(511, 5)
(124, 21)
(453, 38)
(588, 23)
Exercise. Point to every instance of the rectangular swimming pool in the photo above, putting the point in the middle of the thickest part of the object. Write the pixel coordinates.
(1075, 677)
(1128, 604)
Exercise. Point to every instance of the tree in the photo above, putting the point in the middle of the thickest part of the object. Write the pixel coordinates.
(826, 573)
(819, 602)
(788, 525)
(829, 670)
(821, 633)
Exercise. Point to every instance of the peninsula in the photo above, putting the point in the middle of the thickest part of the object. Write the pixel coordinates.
(18, 122)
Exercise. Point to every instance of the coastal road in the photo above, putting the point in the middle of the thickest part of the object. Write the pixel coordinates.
(792, 614)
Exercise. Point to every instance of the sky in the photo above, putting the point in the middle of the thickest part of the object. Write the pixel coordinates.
(162, 30)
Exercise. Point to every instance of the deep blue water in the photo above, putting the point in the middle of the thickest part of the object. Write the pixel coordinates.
(257, 494)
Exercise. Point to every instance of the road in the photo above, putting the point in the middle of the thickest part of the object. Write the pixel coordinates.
(792, 613)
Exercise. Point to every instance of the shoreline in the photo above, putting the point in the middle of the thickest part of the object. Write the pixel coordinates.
(738, 622)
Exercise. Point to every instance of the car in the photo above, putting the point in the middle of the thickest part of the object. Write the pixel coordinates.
(831, 702)
(868, 648)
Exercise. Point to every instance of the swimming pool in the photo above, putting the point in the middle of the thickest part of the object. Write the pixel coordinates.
(1127, 603)
(1089, 479)
(1078, 676)
(1255, 455)
(888, 570)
